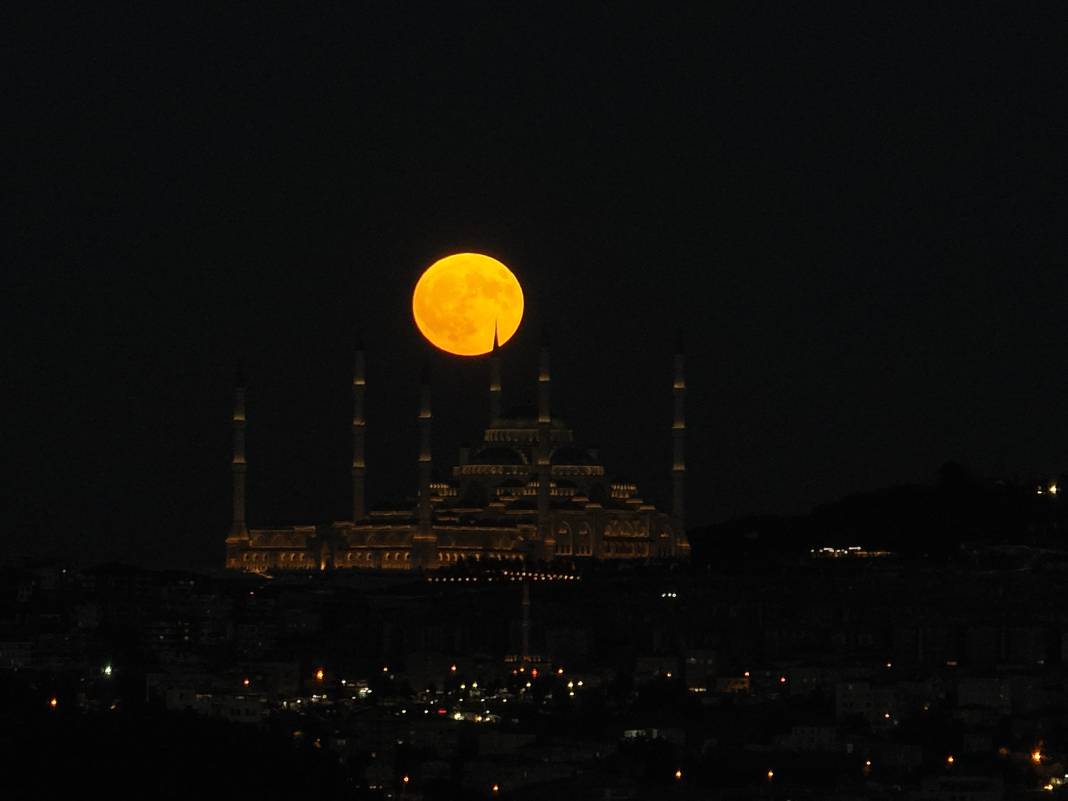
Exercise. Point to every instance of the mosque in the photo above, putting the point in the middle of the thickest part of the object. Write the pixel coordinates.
(529, 491)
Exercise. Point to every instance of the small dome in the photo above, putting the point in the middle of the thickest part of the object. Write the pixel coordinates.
(498, 455)
(525, 416)
(522, 412)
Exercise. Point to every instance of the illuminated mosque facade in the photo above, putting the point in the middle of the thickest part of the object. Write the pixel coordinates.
(527, 492)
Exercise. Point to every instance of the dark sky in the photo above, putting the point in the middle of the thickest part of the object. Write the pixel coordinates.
(857, 215)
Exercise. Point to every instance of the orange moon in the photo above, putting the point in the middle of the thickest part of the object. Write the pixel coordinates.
(459, 300)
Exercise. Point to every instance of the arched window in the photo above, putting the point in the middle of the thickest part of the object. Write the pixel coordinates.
(564, 544)
(584, 543)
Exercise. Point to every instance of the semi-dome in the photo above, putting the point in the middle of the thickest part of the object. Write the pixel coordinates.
(524, 416)
(498, 454)
(571, 455)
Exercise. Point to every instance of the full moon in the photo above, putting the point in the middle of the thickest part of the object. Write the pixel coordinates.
(460, 299)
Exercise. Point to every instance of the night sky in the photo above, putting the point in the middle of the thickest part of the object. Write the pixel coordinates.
(857, 215)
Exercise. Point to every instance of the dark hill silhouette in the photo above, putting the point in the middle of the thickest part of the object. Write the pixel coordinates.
(910, 520)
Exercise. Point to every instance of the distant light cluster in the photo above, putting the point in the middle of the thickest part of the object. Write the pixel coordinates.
(850, 551)
(506, 576)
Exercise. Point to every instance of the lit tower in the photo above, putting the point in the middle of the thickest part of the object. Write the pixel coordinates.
(238, 466)
(359, 466)
(678, 437)
(495, 379)
(425, 540)
(524, 631)
(545, 534)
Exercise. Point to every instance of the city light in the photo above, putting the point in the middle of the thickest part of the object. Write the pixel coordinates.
(405, 779)
(245, 682)
(771, 775)
(53, 702)
(107, 670)
(1036, 756)
(950, 760)
(320, 674)
(678, 775)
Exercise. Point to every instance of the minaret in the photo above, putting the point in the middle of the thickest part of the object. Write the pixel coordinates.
(359, 466)
(524, 640)
(495, 379)
(425, 540)
(545, 533)
(678, 437)
(238, 466)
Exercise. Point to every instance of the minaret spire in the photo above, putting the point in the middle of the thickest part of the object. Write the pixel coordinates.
(359, 424)
(495, 378)
(238, 466)
(545, 533)
(426, 550)
(678, 439)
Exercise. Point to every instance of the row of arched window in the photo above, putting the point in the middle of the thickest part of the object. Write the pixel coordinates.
(272, 557)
